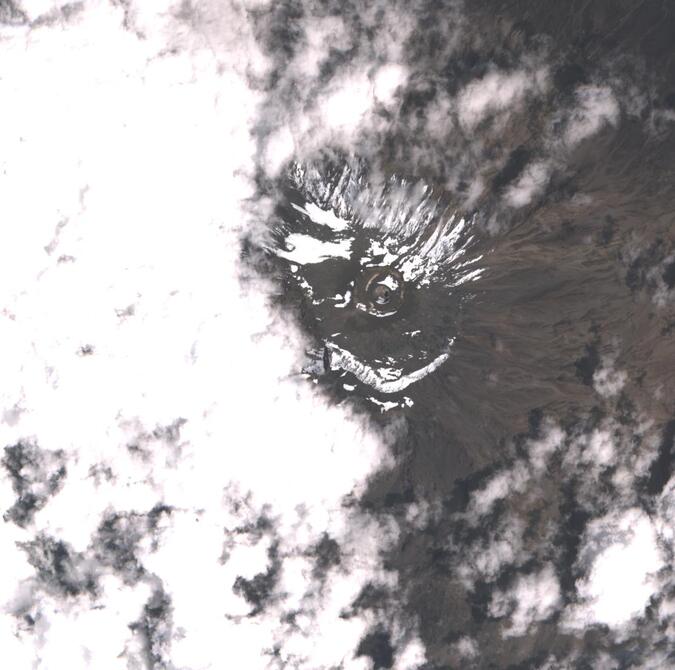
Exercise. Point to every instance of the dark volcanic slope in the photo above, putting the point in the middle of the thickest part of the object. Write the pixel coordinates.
(337, 335)
(543, 446)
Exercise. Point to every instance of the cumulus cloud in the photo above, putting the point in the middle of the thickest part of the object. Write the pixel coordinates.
(515, 479)
(596, 106)
(499, 487)
(620, 547)
(386, 81)
(34, 9)
(321, 34)
(339, 112)
(466, 647)
(607, 380)
(495, 92)
(501, 543)
(332, 80)
(620, 556)
(347, 102)
(569, 663)
(345, 107)
(187, 486)
(593, 452)
(532, 598)
(172, 482)
(660, 279)
(279, 149)
(485, 558)
(531, 183)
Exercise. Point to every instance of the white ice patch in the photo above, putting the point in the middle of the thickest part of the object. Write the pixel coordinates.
(384, 405)
(411, 230)
(441, 248)
(390, 282)
(341, 301)
(305, 249)
(325, 217)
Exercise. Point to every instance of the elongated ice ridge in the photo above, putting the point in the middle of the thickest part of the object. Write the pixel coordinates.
(340, 359)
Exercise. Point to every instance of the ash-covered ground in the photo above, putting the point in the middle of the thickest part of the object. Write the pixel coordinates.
(337, 335)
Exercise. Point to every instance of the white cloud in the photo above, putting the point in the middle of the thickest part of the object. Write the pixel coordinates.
(532, 598)
(662, 293)
(278, 150)
(621, 555)
(600, 448)
(137, 316)
(320, 36)
(495, 92)
(467, 648)
(541, 449)
(438, 116)
(303, 249)
(594, 451)
(603, 661)
(386, 81)
(531, 183)
(596, 107)
(552, 663)
(487, 557)
(607, 380)
(34, 9)
(419, 513)
(345, 104)
(498, 487)
(516, 479)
